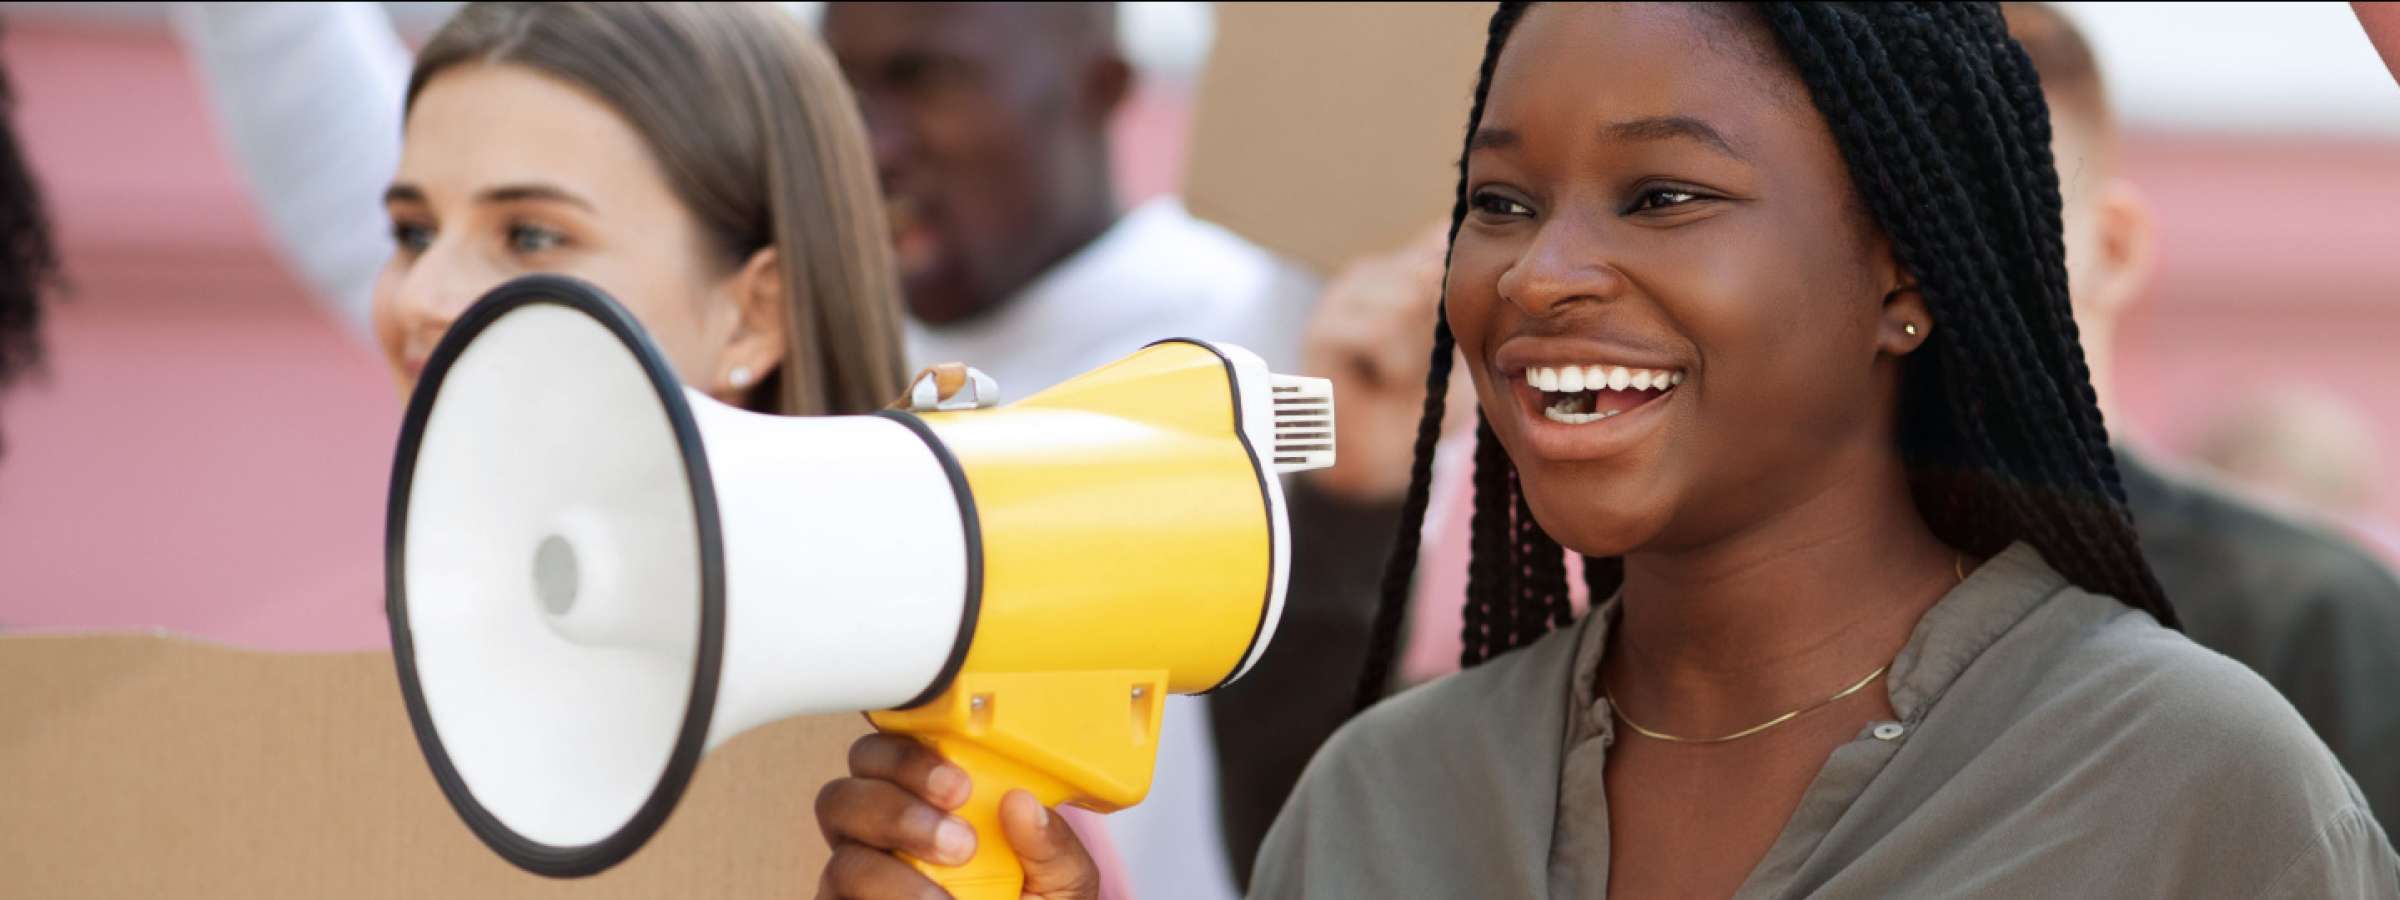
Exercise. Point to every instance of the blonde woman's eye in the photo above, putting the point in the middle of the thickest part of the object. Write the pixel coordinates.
(533, 239)
(411, 238)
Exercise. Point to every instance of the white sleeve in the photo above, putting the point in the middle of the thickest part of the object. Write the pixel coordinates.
(307, 102)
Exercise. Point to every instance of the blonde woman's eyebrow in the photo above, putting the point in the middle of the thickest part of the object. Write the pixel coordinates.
(522, 193)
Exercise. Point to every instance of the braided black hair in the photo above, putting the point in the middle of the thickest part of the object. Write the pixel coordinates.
(1942, 122)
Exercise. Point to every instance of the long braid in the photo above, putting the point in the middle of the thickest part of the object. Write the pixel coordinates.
(1942, 123)
(1541, 567)
(1398, 572)
(1488, 551)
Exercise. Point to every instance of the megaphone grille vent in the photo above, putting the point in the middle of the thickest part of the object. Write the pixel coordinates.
(1303, 423)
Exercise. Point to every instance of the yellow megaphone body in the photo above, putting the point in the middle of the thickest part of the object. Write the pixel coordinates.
(594, 574)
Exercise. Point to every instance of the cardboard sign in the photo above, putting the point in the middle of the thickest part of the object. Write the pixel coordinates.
(137, 766)
(1328, 130)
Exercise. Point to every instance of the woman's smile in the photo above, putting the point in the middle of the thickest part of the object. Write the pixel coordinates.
(1582, 399)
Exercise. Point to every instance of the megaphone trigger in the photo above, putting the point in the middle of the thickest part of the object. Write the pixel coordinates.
(1086, 738)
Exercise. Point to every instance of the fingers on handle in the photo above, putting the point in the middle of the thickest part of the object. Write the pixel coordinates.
(857, 872)
(1056, 865)
(880, 815)
(910, 764)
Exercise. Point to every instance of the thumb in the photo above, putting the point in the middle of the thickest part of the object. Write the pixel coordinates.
(1056, 865)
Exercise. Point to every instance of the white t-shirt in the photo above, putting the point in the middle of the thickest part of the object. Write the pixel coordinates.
(1157, 273)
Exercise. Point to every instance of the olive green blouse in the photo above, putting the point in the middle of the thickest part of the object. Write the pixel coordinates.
(2049, 743)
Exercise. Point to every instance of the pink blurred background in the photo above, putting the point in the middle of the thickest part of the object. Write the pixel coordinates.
(209, 451)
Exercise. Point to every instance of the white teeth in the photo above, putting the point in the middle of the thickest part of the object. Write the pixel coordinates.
(1572, 379)
(1553, 414)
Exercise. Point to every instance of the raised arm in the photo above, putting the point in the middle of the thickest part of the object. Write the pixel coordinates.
(307, 102)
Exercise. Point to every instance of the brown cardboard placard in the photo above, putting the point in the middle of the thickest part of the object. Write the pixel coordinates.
(139, 766)
(1329, 130)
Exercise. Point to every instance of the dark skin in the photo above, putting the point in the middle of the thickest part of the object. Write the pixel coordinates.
(1697, 215)
(990, 128)
(1692, 214)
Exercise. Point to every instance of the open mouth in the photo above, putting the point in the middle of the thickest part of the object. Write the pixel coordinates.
(1581, 395)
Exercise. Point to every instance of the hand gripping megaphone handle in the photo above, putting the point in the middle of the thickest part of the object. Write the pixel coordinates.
(994, 873)
(1087, 738)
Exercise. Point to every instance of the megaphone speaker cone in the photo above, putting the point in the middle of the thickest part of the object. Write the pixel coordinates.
(555, 578)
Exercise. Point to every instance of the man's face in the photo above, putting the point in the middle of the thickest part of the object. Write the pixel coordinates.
(975, 111)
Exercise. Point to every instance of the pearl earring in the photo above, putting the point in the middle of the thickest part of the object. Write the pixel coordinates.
(1909, 328)
(739, 377)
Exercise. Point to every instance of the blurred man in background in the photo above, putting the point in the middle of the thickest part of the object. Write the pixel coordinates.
(2315, 615)
(28, 260)
(990, 124)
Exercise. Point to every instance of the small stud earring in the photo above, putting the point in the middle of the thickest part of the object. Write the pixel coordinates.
(739, 377)
(1909, 328)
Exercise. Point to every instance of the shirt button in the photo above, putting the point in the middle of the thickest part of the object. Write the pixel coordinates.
(1889, 731)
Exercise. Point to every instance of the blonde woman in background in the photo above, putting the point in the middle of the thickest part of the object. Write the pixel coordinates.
(703, 164)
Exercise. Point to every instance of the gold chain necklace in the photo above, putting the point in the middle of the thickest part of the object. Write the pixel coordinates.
(1959, 566)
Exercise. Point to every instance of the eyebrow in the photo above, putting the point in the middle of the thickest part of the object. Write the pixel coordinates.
(1660, 128)
(507, 193)
(1491, 139)
(1651, 128)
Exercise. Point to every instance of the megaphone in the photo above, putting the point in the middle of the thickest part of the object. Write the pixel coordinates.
(595, 574)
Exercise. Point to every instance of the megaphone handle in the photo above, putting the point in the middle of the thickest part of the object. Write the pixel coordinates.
(994, 873)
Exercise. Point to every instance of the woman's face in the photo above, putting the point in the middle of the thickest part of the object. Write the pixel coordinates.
(1650, 188)
(506, 171)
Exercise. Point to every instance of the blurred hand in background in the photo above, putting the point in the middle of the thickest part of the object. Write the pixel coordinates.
(1369, 334)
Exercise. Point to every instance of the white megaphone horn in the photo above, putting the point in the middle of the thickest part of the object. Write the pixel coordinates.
(595, 574)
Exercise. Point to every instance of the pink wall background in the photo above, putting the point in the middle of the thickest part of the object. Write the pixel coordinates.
(209, 453)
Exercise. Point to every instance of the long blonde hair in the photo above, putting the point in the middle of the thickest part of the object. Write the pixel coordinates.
(760, 138)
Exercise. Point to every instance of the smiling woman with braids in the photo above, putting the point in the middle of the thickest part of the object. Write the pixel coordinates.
(1766, 310)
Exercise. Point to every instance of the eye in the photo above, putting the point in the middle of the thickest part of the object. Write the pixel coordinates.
(411, 238)
(1495, 204)
(531, 239)
(1662, 198)
(924, 74)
